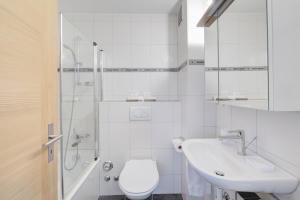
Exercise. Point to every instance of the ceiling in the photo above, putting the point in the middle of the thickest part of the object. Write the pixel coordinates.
(118, 6)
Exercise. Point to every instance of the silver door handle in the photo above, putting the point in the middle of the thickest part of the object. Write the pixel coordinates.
(52, 139)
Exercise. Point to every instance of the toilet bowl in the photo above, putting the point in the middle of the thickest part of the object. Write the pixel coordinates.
(139, 178)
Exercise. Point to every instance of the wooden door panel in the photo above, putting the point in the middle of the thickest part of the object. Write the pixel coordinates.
(28, 63)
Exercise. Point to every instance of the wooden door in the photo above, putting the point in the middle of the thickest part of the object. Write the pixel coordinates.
(28, 98)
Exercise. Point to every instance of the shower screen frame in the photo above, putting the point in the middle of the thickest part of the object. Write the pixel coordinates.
(97, 97)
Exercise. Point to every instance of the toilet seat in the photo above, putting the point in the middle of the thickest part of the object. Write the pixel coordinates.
(139, 178)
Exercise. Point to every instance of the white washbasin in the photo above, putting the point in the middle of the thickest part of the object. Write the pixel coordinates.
(250, 173)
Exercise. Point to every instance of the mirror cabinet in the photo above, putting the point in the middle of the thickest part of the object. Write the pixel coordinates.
(251, 54)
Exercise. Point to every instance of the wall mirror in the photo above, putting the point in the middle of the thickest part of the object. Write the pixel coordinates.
(236, 55)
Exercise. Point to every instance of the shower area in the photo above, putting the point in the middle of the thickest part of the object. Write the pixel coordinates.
(80, 74)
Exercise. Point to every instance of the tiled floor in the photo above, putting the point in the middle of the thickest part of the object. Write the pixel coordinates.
(155, 197)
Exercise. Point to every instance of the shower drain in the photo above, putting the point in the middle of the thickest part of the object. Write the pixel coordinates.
(219, 173)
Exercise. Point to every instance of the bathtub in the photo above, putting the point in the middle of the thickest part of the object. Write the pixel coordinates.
(87, 187)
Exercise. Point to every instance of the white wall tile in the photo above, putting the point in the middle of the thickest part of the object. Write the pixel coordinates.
(122, 55)
(104, 31)
(210, 131)
(162, 112)
(118, 112)
(141, 83)
(121, 29)
(173, 32)
(122, 83)
(210, 114)
(247, 122)
(141, 154)
(108, 54)
(141, 32)
(278, 133)
(162, 135)
(104, 138)
(141, 56)
(164, 158)
(177, 160)
(159, 83)
(195, 80)
(140, 135)
(119, 140)
(172, 56)
(195, 110)
(166, 185)
(159, 32)
(177, 184)
(224, 117)
(159, 56)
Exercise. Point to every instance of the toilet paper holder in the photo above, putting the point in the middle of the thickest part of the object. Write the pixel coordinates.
(177, 144)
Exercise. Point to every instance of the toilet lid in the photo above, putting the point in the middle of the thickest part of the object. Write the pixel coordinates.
(139, 176)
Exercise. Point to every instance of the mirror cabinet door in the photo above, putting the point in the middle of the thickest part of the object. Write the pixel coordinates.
(211, 63)
(243, 54)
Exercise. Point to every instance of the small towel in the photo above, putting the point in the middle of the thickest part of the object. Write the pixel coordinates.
(197, 186)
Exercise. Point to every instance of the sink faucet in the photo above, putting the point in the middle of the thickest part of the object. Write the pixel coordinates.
(240, 135)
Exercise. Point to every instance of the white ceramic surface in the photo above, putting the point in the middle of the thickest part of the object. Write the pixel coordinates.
(139, 178)
(249, 173)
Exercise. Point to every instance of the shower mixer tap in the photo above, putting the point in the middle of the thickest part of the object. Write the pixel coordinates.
(80, 136)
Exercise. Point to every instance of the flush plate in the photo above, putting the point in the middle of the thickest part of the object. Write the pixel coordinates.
(140, 113)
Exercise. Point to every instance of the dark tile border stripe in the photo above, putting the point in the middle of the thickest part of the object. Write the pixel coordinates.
(242, 68)
(140, 69)
(127, 69)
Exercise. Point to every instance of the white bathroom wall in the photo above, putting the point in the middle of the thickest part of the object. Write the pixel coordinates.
(198, 117)
(134, 41)
(122, 139)
(278, 136)
(195, 10)
(137, 41)
(120, 85)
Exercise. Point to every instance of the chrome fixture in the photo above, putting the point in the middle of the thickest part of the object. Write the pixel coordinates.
(107, 166)
(240, 135)
(219, 173)
(107, 178)
(52, 139)
(76, 144)
(73, 102)
(213, 11)
(81, 136)
(226, 196)
(116, 178)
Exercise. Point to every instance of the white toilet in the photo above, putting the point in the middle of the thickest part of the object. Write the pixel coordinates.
(139, 178)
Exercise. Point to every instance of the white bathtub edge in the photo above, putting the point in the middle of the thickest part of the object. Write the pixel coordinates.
(79, 183)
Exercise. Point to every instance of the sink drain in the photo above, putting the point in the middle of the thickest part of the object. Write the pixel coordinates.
(219, 173)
